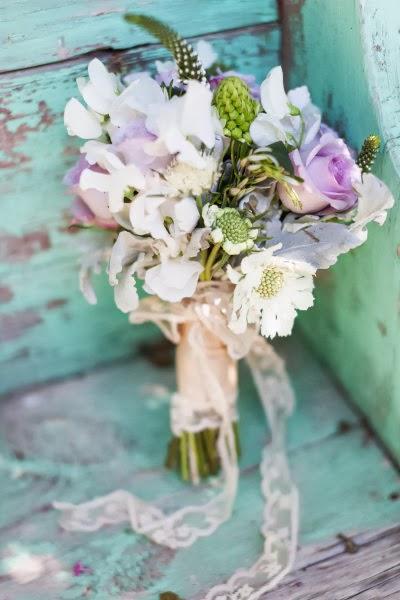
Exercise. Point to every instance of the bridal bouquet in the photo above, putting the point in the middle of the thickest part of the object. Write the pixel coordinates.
(223, 199)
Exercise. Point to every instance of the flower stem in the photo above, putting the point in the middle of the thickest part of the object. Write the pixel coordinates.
(210, 261)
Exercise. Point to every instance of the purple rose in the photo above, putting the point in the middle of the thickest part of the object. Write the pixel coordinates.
(328, 170)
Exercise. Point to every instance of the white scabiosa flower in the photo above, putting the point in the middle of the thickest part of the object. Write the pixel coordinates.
(230, 228)
(269, 291)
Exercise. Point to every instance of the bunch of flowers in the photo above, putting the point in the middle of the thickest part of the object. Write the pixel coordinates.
(197, 175)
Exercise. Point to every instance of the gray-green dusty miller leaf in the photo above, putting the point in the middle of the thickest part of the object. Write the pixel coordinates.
(319, 244)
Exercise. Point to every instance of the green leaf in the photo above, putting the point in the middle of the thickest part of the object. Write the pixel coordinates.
(189, 66)
(280, 152)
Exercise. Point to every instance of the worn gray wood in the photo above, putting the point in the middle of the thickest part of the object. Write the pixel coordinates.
(365, 566)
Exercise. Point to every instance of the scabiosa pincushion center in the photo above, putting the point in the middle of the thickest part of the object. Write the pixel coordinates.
(271, 283)
(236, 108)
(230, 228)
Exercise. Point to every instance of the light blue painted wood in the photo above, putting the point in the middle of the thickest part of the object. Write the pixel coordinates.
(354, 76)
(46, 328)
(108, 429)
(37, 32)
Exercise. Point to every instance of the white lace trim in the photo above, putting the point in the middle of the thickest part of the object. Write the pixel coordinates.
(189, 523)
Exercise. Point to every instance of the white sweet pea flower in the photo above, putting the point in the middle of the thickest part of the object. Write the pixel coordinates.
(101, 89)
(81, 122)
(164, 218)
(128, 256)
(268, 292)
(181, 124)
(119, 180)
(282, 120)
(142, 93)
(99, 93)
(206, 53)
(374, 200)
(173, 279)
(229, 228)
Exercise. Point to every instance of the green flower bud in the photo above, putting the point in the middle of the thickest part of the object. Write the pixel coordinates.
(236, 108)
(369, 150)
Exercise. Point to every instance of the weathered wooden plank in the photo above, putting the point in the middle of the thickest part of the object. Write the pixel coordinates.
(46, 328)
(89, 435)
(354, 76)
(366, 567)
(37, 33)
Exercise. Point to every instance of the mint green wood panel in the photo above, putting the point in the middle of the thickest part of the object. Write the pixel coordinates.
(37, 32)
(347, 51)
(46, 328)
(107, 430)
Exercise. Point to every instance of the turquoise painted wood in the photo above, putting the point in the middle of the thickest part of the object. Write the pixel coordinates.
(37, 32)
(347, 51)
(107, 430)
(46, 328)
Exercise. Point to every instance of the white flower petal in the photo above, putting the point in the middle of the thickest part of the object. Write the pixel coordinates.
(206, 53)
(93, 99)
(273, 95)
(173, 279)
(196, 117)
(79, 121)
(186, 214)
(125, 292)
(104, 82)
(265, 130)
(92, 180)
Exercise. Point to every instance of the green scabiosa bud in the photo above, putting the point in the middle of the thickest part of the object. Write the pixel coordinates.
(236, 108)
(369, 150)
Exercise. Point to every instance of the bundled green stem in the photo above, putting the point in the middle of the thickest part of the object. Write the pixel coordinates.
(188, 63)
(195, 455)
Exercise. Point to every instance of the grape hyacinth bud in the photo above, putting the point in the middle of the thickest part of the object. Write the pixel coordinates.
(236, 108)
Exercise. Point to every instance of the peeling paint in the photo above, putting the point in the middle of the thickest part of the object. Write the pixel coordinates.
(15, 249)
(56, 303)
(11, 139)
(14, 325)
(6, 294)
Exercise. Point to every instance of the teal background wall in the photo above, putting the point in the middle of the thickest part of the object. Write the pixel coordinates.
(46, 328)
(348, 52)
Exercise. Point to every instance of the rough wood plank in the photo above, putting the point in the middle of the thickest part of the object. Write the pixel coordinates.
(90, 435)
(365, 566)
(36, 32)
(46, 328)
(354, 76)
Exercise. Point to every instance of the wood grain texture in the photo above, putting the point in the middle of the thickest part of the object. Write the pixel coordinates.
(46, 328)
(354, 76)
(107, 430)
(365, 566)
(37, 32)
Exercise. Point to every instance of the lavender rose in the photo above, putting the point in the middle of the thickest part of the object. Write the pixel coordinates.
(328, 170)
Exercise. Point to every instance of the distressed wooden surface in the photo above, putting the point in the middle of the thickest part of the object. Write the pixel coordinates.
(365, 566)
(37, 32)
(354, 76)
(107, 430)
(46, 328)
